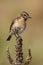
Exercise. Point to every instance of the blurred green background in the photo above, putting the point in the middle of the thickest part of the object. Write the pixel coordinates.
(32, 36)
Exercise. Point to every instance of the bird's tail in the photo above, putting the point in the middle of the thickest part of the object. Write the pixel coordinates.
(9, 37)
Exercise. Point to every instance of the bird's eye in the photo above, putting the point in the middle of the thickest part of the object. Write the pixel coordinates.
(24, 15)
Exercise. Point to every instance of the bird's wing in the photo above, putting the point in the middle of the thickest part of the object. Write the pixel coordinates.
(12, 24)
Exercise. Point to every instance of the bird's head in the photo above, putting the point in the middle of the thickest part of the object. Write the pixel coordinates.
(25, 15)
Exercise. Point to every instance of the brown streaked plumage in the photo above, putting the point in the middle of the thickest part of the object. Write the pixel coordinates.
(18, 24)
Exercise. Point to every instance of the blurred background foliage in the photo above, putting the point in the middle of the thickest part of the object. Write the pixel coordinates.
(32, 36)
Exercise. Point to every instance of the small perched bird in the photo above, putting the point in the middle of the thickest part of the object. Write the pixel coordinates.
(18, 24)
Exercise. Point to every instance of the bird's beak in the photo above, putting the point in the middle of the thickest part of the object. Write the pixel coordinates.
(29, 17)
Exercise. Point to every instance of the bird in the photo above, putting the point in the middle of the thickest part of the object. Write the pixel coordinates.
(18, 24)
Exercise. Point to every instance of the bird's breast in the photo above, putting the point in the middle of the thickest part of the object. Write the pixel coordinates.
(19, 22)
(19, 25)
